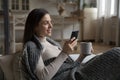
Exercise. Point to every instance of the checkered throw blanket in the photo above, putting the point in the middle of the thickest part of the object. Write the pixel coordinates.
(101, 67)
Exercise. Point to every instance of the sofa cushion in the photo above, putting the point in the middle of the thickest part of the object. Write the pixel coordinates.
(6, 63)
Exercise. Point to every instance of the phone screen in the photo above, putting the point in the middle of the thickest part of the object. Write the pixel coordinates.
(74, 34)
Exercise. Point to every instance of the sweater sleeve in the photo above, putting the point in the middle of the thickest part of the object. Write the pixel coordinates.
(34, 66)
(47, 72)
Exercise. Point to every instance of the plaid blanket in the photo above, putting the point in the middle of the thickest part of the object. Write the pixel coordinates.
(102, 67)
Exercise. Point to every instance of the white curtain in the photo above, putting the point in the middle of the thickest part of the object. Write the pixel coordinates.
(100, 14)
(106, 10)
(107, 26)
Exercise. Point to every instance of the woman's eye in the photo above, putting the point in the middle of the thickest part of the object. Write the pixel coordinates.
(44, 23)
(47, 22)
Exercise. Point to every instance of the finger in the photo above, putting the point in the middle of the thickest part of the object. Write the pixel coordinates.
(74, 42)
(72, 39)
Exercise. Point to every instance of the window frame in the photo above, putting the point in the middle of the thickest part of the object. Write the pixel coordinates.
(17, 5)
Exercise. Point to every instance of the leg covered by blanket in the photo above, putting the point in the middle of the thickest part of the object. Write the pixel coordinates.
(102, 67)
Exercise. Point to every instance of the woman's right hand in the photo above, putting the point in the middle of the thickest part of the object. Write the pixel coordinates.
(69, 45)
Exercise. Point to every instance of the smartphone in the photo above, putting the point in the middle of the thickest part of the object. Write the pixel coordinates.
(74, 34)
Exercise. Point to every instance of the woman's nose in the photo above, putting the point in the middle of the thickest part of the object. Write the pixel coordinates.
(50, 25)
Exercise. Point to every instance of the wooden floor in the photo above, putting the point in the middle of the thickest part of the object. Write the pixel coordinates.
(98, 48)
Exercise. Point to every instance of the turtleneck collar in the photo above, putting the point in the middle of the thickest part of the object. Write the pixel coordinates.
(41, 39)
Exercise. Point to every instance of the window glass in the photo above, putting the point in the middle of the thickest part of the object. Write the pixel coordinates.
(112, 7)
(103, 7)
(20, 5)
(15, 4)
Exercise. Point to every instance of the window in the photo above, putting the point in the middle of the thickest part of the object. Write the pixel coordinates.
(113, 7)
(15, 4)
(20, 4)
(25, 4)
(103, 6)
(108, 5)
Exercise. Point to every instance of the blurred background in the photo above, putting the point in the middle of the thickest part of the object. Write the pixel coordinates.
(97, 21)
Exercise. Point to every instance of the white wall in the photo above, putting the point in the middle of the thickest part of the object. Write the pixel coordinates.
(64, 31)
(68, 29)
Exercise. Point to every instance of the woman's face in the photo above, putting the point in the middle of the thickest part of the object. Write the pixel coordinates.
(44, 27)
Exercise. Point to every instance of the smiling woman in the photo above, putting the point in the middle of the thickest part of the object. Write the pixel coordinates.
(39, 49)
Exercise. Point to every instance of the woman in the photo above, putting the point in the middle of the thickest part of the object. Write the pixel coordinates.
(41, 48)
(43, 58)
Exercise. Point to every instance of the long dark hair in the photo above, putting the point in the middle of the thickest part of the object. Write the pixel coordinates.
(32, 21)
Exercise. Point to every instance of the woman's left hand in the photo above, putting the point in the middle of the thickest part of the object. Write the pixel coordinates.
(69, 45)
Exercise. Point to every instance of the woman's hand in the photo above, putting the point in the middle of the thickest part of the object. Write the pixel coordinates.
(69, 45)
